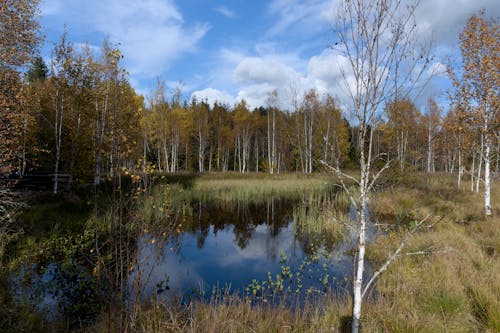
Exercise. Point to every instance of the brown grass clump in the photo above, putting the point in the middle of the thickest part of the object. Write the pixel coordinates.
(235, 314)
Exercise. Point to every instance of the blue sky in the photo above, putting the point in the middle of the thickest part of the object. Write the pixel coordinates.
(234, 49)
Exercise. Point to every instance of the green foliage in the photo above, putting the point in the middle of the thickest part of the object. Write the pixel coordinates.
(38, 71)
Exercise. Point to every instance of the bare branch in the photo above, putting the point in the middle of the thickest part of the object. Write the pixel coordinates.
(377, 175)
(393, 256)
(338, 172)
(341, 176)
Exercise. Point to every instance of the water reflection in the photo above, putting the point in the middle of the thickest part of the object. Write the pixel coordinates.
(243, 217)
(231, 245)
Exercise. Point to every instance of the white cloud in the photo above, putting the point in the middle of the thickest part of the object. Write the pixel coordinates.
(304, 16)
(443, 20)
(439, 69)
(292, 73)
(225, 12)
(256, 94)
(213, 95)
(261, 70)
(151, 33)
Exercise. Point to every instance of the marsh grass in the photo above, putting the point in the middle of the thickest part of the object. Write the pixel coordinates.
(322, 219)
(257, 188)
(455, 287)
(232, 313)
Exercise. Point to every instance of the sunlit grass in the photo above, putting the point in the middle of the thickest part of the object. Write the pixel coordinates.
(250, 188)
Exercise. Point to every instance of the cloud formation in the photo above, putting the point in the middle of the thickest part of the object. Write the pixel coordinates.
(223, 10)
(257, 75)
(151, 33)
(305, 16)
(290, 54)
(212, 95)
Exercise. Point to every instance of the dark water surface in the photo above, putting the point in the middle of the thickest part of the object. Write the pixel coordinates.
(237, 247)
(255, 250)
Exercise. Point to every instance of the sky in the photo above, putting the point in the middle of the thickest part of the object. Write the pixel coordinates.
(240, 49)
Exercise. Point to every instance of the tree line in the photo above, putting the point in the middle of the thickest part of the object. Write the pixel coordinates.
(79, 115)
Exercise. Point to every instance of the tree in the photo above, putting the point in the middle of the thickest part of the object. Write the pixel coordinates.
(377, 40)
(432, 122)
(334, 133)
(18, 43)
(477, 89)
(62, 96)
(272, 106)
(242, 130)
(307, 113)
(402, 116)
(38, 71)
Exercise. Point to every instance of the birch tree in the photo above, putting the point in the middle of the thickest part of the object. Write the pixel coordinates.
(378, 41)
(432, 122)
(18, 45)
(307, 112)
(477, 87)
(61, 96)
(272, 106)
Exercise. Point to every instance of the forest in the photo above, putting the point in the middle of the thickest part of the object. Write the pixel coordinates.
(93, 175)
(84, 110)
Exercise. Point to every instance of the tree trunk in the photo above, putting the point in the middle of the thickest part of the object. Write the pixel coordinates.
(59, 116)
(480, 166)
(487, 181)
(429, 149)
(472, 172)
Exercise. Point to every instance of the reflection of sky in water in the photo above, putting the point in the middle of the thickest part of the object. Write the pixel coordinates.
(222, 261)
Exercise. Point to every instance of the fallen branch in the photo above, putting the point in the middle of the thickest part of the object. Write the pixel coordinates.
(428, 252)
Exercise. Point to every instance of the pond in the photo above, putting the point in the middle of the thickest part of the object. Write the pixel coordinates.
(256, 250)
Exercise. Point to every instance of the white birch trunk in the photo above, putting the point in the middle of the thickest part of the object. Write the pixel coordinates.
(480, 166)
(460, 168)
(429, 149)
(472, 172)
(487, 181)
(59, 116)
(269, 153)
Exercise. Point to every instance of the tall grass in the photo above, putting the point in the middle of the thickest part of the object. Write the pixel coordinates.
(235, 314)
(255, 187)
(322, 218)
(455, 286)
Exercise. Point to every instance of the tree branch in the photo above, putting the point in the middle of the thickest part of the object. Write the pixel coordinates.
(393, 256)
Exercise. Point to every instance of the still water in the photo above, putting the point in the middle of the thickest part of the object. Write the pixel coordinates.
(240, 248)
(255, 250)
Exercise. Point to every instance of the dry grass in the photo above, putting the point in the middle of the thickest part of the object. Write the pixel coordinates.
(453, 288)
(234, 314)
(456, 287)
(249, 187)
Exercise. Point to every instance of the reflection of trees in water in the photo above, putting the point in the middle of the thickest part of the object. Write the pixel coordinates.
(243, 217)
